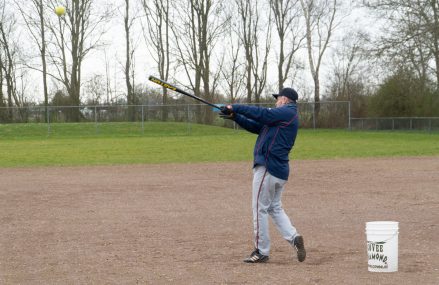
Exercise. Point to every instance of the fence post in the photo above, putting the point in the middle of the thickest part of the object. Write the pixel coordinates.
(96, 121)
(393, 124)
(314, 116)
(143, 122)
(188, 120)
(349, 115)
(48, 121)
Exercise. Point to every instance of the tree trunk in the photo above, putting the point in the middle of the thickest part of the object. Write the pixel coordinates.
(130, 95)
(1, 81)
(435, 32)
(43, 58)
(317, 97)
(281, 78)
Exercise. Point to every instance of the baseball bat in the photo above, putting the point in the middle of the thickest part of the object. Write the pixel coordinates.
(176, 89)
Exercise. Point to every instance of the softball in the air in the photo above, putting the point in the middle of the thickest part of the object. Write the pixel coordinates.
(60, 10)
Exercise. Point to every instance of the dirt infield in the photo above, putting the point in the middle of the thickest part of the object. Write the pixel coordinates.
(191, 223)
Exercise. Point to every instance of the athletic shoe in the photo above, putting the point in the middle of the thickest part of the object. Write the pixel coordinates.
(300, 247)
(256, 257)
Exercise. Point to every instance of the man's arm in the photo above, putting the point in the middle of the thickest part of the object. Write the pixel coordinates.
(248, 124)
(264, 116)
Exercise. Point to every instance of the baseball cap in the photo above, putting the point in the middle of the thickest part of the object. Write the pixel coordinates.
(289, 93)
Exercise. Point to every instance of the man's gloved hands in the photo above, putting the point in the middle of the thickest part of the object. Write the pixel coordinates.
(226, 113)
(227, 117)
(225, 110)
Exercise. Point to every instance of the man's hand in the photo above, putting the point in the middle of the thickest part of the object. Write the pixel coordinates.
(227, 113)
(227, 117)
(226, 110)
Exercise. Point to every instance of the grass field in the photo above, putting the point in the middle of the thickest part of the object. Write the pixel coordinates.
(128, 143)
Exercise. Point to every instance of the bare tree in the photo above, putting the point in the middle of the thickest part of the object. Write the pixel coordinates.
(260, 65)
(9, 57)
(129, 60)
(232, 71)
(252, 33)
(36, 25)
(2, 99)
(347, 82)
(202, 25)
(108, 90)
(157, 32)
(247, 15)
(95, 89)
(410, 35)
(320, 20)
(8, 54)
(76, 34)
(287, 16)
(346, 61)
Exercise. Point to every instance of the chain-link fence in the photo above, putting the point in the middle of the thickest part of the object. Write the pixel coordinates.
(333, 115)
(329, 114)
(429, 124)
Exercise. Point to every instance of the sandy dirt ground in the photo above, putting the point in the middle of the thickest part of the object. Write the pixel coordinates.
(191, 223)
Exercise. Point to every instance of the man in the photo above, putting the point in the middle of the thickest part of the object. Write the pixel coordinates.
(277, 129)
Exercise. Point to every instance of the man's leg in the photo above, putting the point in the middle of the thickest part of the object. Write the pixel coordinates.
(280, 218)
(260, 204)
(260, 217)
(282, 221)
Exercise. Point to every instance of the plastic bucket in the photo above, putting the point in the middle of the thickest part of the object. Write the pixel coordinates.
(382, 246)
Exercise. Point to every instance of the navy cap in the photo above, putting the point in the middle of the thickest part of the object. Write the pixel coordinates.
(289, 93)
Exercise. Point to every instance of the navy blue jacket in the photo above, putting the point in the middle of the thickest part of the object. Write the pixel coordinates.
(277, 129)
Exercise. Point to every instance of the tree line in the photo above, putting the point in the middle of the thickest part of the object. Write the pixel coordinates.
(228, 51)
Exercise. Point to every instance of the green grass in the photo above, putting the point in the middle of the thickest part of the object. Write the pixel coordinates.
(345, 144)
(126, 143)
(100, 130)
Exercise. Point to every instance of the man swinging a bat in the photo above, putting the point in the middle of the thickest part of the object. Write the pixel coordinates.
(277, 130)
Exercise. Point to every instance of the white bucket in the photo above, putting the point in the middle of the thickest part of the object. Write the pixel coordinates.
(382, 246)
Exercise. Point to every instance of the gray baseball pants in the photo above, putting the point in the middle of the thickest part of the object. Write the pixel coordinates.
(267, 193)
